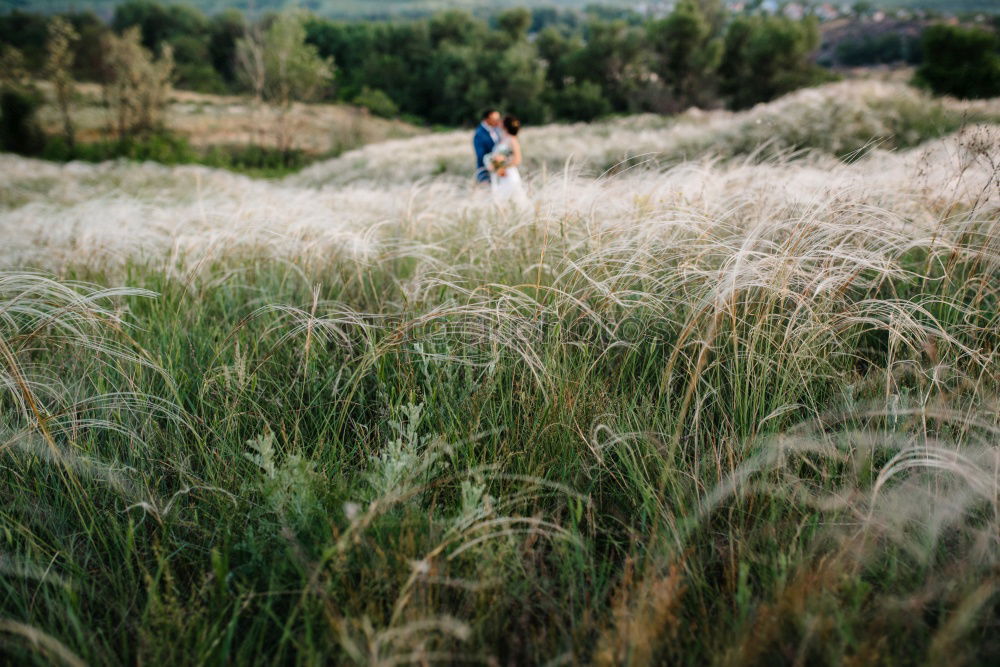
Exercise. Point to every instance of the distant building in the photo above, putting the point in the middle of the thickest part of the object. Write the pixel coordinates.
(794, 11)
(827, 12)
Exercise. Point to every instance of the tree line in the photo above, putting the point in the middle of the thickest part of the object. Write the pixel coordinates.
(543, 65)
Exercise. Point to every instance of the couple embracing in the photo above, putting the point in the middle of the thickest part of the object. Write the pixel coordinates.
(498, 156)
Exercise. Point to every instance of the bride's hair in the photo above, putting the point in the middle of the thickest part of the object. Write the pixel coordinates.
(512, 125)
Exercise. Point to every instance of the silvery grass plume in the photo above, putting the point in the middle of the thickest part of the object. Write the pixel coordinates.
(839, 119)
(773, 260)
(918, 497)
(191, 220)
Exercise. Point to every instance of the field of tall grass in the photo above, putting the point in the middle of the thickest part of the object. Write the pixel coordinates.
(727, 393)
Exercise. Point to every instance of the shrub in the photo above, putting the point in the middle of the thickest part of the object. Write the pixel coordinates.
(19, 130)
(580, 101)
(257, 159)
(892, 47)
(201, 77)
(161, 147)
(137, 84)
(765, 57)
(377, 101)
(964, 62)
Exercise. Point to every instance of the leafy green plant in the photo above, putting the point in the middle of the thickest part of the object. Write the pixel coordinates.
(377, 101)
(964, 62)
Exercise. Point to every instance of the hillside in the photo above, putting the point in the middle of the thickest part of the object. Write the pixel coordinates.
(837, 119)
(724, 391)
(219, 120)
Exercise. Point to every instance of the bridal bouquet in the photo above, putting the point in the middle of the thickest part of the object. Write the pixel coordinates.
(497, 160)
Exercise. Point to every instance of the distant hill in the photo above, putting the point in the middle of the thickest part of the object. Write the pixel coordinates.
(944, 6)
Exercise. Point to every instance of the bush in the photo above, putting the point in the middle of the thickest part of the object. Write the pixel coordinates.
(960, 61)
(257, 159)
(582, 101)
(170, 149)
(19, 130)
(201, 77)
(891, 47)
(765, 57)
(162, 147)
(377, 101)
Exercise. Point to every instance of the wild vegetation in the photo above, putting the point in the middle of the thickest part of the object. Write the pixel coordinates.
(541, 64)
(732, 401)
(445, 67)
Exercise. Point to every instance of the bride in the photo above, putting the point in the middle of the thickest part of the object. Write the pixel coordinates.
(506, 180)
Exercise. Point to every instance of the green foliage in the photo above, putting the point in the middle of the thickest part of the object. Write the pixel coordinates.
(613, 56)
(256, 160)
(514, 23)
(203, 48)
(280, 66)
(306, 469)
(766, 56)
(136, 83)
(19, 129)
(688, 53)
(27, 32)
(443, 67)
(158, 23)
(377, 102)
(201, 77)
(225, 30)
(88, 62)
(169, 149)
(886, 48)
(964, 62)
(155, 147)
(582, 101)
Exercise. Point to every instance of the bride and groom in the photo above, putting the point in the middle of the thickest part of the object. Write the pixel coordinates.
(498, 156)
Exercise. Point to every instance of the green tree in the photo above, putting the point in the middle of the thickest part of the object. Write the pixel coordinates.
(555, 50)
(62, 40)
(188, 32)
(964, 62)
(767, 56)
(159, 23)
(27, 33)
(520, 78)
(457, 27)
(687, 54)
(224, 31)
(281, 68)
(88, 52)
(613, 56)
(377, 102)
(582, 101)
(19, 130)
(137, 84)
(515, 23)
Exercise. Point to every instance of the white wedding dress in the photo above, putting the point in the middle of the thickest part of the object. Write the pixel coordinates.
(509, 188)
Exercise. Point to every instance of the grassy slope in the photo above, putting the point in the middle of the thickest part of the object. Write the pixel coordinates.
(735, 411)
(213, 120)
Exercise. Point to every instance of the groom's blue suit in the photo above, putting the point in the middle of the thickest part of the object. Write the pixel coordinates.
(483, 141)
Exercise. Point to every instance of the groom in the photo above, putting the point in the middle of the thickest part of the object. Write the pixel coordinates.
(487, 136)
